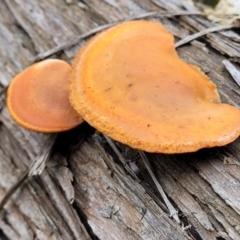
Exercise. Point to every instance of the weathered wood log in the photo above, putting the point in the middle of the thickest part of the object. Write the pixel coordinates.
(85, 193)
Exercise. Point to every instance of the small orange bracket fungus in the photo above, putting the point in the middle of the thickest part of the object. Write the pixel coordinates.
(38, 98)
(129, 83)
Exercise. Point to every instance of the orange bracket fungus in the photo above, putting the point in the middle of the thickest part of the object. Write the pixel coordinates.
(129, 83)
(37, 98)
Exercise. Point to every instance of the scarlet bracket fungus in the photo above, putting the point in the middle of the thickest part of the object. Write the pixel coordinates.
(37, 98)
(129, 83)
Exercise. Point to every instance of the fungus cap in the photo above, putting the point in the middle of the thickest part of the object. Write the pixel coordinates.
(38, 97)
(129, 83)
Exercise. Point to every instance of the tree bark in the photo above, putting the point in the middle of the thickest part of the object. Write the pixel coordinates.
(85, 192)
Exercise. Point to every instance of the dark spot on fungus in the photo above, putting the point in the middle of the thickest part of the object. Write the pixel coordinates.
(107, 89)
(185, 96)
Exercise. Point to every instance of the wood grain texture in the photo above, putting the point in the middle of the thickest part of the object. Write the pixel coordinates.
(85, 193)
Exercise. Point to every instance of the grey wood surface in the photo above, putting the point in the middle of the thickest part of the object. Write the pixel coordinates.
(85, 193)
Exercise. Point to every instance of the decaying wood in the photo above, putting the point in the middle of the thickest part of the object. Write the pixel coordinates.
(85, 193)
(233, 70)
(204, 32)
(172, 211)
(76, 39)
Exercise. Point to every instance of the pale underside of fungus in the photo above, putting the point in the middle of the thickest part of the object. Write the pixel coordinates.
(129, 83)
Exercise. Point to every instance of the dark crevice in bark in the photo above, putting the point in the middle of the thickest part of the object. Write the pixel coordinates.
(3, 236)
(69, 141)
(83, 219)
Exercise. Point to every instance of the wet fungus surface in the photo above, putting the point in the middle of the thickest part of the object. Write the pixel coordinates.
(129, 83)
